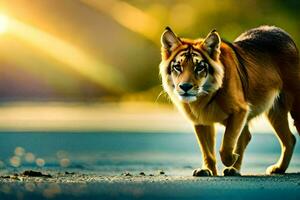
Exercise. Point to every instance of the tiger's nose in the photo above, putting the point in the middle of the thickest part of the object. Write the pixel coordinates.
(186, 86)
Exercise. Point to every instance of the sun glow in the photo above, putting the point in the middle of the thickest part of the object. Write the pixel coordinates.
(3, 23)
(70, 55)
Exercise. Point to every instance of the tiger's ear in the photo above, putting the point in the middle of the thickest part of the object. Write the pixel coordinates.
(169, 40)
(212, 44)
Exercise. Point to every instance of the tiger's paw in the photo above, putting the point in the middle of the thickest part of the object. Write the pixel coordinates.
(202, 172)
(274, 169)
(231, 171)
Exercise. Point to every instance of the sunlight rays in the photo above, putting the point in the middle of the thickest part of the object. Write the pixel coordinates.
(68, 54)
(128, 16)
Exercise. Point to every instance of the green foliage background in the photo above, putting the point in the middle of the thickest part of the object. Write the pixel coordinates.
(99, 33)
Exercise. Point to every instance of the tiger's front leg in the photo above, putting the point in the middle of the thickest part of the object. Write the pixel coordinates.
(206, 140)
(234, 126)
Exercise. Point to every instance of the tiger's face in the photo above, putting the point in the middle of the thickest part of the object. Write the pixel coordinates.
(189, 74)
(188, 67)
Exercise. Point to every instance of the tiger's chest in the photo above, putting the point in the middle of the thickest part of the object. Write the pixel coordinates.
(204, 114)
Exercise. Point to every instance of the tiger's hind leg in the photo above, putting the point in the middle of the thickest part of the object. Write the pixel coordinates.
(295, 111)
(278, 117)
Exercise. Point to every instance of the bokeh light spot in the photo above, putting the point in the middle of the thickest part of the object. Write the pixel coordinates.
(65, 162)
(40, 162)
(29, 157)
(15, 161)
(19, 151)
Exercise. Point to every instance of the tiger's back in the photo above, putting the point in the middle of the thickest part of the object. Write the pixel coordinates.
(270, 45)
(272, 61)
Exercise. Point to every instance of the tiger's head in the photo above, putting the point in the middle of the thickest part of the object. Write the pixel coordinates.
(190, 68)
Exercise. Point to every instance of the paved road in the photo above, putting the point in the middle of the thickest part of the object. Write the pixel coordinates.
(89, 186)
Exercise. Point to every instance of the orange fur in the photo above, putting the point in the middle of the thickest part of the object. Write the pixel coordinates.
(256, 74)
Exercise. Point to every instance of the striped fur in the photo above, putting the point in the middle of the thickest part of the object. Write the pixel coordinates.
(258, 73)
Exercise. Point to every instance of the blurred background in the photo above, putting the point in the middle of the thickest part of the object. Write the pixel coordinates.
(62, 59)
(92, 65)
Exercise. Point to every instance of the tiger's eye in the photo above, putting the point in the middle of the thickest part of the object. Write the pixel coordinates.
(200, 66)
(177, 67)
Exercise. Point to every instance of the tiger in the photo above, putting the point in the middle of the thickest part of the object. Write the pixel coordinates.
(213, 81)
